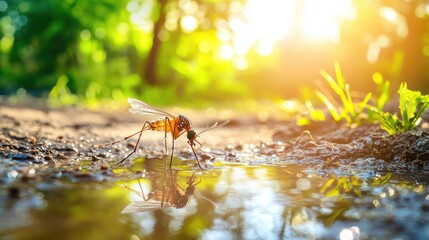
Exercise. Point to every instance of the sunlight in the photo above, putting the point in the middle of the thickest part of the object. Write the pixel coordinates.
(262, 24)
(269, 20)
(321, 19)
(141, 14)
(146, 186)
(350, 233)
(188, 23)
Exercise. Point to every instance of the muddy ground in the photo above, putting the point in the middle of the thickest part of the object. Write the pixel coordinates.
(45, 144)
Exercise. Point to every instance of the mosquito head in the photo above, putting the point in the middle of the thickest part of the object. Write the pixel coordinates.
(191, 135)
(190, 190)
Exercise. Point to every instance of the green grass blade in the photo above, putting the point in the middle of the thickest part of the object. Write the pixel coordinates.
(365, 101)
(417, 116)
(329, 105)
(337, 89)
(327, 185)
(348, 101)
(339, 75)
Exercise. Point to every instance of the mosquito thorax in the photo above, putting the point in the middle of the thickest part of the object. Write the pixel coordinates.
(191, 135)
(183, 123)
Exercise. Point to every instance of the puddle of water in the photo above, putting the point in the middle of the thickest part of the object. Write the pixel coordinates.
(252, 202)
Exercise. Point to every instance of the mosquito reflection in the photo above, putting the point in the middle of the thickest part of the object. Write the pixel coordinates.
(174, 196)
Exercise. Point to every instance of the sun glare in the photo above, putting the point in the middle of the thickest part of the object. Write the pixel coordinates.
(321, 19)
(260, 25)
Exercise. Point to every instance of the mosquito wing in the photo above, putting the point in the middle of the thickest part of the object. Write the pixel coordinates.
(139, 107)
(199, 195)
(215, 125)
(144, 206)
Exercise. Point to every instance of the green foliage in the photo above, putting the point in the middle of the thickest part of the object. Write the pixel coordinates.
(102, 48)
(412, 105)
(338, 186)
(312, 114)
(350, 111)
(341, 186)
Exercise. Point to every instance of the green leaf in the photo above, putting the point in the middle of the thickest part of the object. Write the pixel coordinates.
(337, 89)
(412, 105)
(327, 185)
(408, 102)
(329, 105)
(417, 116)
(424, 98)
(332, 193)
(383, 180)
(348, 101)
(365, 101)
(339, 75)
(388, 122)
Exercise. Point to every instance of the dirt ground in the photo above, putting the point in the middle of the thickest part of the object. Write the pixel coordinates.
(65, 140)
(67, 137)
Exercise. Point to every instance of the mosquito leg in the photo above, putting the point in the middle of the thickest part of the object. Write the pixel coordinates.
(172, 184)
(163, 188)
(173, 131)
(165, 133)
(169, 196)
(172, 152)
(124, 139)
(166, 120)
(200, 146)
(172, 193)
(198, 161)
(137, 143)
(141, 189)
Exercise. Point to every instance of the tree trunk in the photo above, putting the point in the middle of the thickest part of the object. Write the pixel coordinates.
(149, 74)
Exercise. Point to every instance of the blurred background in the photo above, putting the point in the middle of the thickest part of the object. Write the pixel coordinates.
(86, 51)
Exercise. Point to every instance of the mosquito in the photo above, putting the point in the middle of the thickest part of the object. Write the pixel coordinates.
(177, 197)
(175, 125)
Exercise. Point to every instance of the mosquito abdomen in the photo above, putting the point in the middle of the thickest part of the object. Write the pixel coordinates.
(162, 125)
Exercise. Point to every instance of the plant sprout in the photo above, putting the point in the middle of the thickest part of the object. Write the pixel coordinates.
(351, 111)
(412, 105)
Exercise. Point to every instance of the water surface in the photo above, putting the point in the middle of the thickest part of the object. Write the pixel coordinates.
(251, 202)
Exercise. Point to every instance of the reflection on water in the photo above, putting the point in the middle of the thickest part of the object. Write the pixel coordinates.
(173, 196)
(270, 202)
